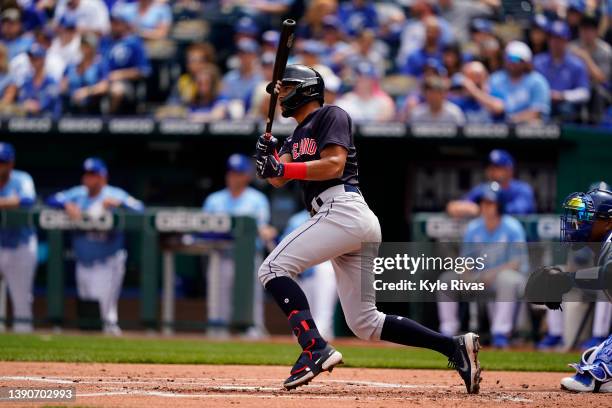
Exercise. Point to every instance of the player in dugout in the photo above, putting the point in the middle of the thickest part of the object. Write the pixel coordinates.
(100, 255)
(517, 195)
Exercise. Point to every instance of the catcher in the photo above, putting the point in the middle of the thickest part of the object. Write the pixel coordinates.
(587, 218)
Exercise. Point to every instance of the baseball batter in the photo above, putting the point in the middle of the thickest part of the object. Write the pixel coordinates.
(321, 155)
(18, 246)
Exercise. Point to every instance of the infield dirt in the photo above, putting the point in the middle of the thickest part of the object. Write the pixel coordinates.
(155, 385)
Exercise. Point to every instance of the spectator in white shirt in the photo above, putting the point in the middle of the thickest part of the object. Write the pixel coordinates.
(367, 101)
(67, 44)
(91, 16)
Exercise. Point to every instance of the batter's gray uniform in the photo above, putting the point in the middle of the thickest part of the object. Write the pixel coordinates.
(341, 222)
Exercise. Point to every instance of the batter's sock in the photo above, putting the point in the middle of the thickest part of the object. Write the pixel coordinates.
(402, 330)
(292, 300)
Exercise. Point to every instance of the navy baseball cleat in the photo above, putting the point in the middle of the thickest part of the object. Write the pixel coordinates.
(465, 361)
(312, 363)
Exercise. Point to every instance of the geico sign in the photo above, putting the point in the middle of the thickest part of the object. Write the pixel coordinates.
(192, 221)
(54, 219)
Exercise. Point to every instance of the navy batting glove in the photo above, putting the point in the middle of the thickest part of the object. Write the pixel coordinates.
(265, 147)
(269, 166)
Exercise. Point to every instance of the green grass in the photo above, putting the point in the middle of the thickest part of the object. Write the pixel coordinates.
(91, 348)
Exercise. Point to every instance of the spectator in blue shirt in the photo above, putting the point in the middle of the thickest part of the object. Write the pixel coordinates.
(517, 195)
(565, 72)
(469, 91)
(415, 63)
(33, 17)
(13, 37)
(238, 84)
(151, 19)
(84, 84)
(127, 63)
(518, 93)
(100, 255)
(39, 94)
(357, 16)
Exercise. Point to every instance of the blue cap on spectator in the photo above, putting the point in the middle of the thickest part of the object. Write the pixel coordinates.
(366, 69)
(37, 51)
(47, 32)
(313, 47)
(540, 21)
(271, 37)
(560, 29)
(248, 45)
(7, 152)
(68, 21)
(331, 21)
(247, 25)
(577, 5)
(500, 157)
(95, 165)
(239, 163)
(432, 63)
(482, 25)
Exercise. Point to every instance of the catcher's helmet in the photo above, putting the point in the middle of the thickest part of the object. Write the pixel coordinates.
(309, 86)
(581, 210)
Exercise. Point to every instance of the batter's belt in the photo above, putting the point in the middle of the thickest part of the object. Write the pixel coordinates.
(329, 194)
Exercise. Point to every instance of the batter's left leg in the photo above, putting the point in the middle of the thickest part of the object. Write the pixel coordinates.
(369, 324)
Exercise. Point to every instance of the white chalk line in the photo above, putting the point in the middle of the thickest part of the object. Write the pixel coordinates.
(232, 387)
(214, 383)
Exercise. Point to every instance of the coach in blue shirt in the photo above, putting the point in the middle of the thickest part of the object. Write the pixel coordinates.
(565, 72)
(517, 195)
(519, 94)
(100, 255)
(432, 49)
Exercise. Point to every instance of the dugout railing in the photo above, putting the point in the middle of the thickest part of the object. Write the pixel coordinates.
(154, 228)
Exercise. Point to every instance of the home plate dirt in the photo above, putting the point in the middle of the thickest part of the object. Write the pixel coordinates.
(153, 385)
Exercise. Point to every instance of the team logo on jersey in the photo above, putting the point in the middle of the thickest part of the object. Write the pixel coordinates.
(306, 146)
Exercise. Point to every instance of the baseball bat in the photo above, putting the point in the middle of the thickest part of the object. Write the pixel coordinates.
(282, 54)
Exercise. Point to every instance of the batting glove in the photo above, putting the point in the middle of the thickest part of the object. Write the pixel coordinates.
(265, 147)
(269, 166)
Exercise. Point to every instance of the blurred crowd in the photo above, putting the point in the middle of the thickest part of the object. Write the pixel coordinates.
(450, 61)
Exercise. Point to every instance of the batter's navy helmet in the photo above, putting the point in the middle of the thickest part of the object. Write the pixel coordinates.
(581, 210)
(309, 86)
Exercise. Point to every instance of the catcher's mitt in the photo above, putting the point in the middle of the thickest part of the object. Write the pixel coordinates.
(547, 285)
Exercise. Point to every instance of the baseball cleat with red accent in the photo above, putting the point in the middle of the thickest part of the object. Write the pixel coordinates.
(312, 363)
(465, 361)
